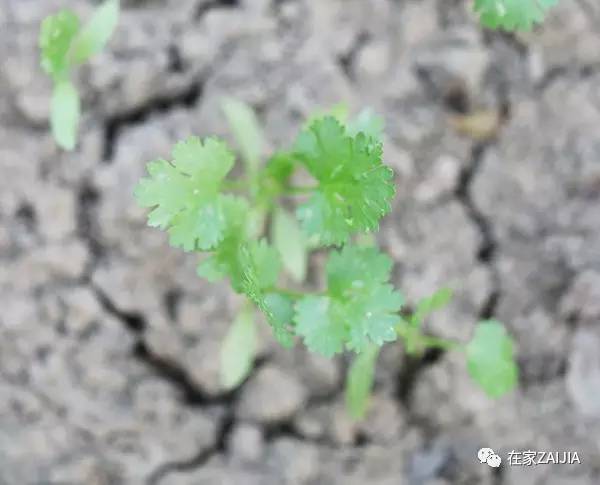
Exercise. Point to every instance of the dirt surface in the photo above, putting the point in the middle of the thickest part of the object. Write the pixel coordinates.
(109, 343)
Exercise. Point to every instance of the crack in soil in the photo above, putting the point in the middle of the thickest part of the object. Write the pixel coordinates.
(226, 425)
(171, 301)
(556, 73)
(175, 64)
(134, 322)
(287, 429)
(169, 370)
(190, 393)
(272, 431)
(187, 98)
(206, 7)
(346, 61)
(410, 370)
(488, 247)
(88, 198)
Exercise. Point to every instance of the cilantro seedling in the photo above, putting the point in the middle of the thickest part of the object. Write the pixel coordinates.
(512, 15)
(64, 44)
(204, 209)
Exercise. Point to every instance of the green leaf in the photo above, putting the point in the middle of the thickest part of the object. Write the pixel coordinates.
(372, 317)
(430, 304)
(355, 188)
(94, 35)
(238, 350)
(512, 14)
(317, 322)
(65, 112)
(56, 34)
(267, 263)
(185, 194)
(490, 359)
(246, 131)
(253, 267)
(355, 269)
(280, 310)
(290, 241)
(359, 382)
(359, 310)
(245, 276)
(356, 278)
(219, 264)
(256, 269)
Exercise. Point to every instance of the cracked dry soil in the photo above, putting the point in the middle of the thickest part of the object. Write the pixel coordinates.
(109, 342)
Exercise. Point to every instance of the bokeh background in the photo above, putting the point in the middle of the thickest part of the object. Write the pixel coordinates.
(109, 343)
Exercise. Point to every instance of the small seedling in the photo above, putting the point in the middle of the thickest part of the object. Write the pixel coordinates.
(512, 15)
(345, 190)
(64, 45)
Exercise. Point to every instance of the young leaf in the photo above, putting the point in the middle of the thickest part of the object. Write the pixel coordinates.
(246, 130)
(289, 240)
(184, 194)
(96, 33)
(355, 188)
(56, 35)
(490, 359)
(267, 263)
(356, 278)
(253, 268)
(359, 381)
(359, 309)
(316, 321)
(280, 311)
(238, 350)
(220, 264)
(512, 14)
(65, 112)
(355, 268)
(253, 285)
(372, 317)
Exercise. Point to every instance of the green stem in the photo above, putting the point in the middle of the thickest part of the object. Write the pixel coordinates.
(414, 339)
(439, 343)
